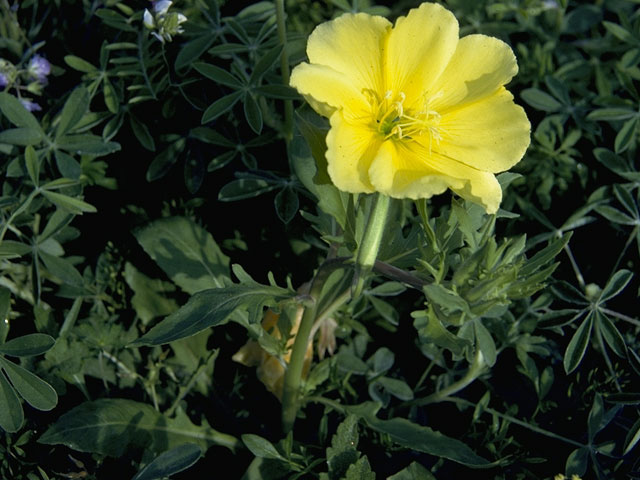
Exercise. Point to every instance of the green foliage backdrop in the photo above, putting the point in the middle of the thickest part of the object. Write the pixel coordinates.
(165, 193)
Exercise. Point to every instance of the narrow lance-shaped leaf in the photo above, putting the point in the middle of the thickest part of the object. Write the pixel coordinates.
(615, 285)
(418, 438)
(74, 109)
(578, 345)
(209, 308)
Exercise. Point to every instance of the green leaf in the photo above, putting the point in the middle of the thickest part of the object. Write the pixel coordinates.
(261, 447)
(208, 135)
(611, 335)
(27, 345)
(74, 109)
(70, 204)
(397, 388)
(67, 165)
(252, 113)
(218, 75)
(633, 437)
(282, 92)
(220, 106)
(210, 308)
(418, 438)
(540, 100)
(267, 61)
(115, 426)
(578, 345)
(186, 252)
(343, 450)
(611, 114)
(79, 64)
(141, 131)
(110, 96)
(614, 215)
(619, 32)
(38, 393)
(15, 112)
(484, 341)
(163, 162)
(12, 249)
(577, 462)
(192, 50)
(150, 296)
(5, 308)
(626, 137)
(431, 330)
(414, 471)
(33, 164)
(287, 204)
(615, 285)
(596, 415)
(172, 461)
(244, 188)
(22, 136)
(11, 414)
(447, 300)
(360, 470)
(61, 268)
(87, 144)
(544, 256)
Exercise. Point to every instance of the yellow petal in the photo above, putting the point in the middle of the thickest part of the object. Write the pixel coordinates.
(491, 134)
(479, 67)
(351, 147)
(406, 169)
(419, 49)
(327, 90)
(352, 44)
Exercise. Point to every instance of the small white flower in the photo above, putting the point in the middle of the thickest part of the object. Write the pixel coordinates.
(161, 7)
(147, 19)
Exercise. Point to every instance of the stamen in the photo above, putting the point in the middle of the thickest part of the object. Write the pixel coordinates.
(393, 120)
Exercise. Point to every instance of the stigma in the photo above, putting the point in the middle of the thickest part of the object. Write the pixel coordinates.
(393, 119)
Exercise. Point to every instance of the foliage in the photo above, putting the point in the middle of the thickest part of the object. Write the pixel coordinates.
(144, 162)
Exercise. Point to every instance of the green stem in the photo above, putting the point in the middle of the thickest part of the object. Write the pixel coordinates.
(18, 211)
(476, 368)
(368, 248)
(192, 381)
(293, 375)
(521, 423)
(284, 68)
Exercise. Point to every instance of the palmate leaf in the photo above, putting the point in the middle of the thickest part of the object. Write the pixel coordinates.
(113, 426)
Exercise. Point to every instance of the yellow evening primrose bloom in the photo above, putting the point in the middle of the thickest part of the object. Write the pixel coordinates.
(413, 108)
(271, 369)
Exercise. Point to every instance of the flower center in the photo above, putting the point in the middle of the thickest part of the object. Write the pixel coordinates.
(392, 120)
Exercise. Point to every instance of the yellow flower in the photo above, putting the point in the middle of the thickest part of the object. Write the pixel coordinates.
(414, 109)
(271, 369)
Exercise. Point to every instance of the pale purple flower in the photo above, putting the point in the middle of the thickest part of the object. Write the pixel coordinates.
(4, 81)
(39, 67)
(29, 105)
